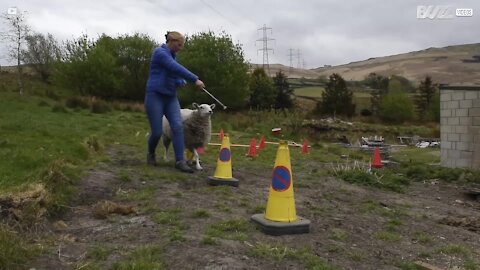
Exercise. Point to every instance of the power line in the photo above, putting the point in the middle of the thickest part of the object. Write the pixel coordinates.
(218, 12)
(265, 39)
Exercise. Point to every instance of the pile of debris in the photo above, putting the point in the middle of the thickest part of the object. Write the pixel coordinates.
(419, 142)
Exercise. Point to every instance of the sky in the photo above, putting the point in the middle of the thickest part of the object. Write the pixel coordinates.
(318, 32)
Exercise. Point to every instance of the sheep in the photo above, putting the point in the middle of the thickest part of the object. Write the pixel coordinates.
(197, 130)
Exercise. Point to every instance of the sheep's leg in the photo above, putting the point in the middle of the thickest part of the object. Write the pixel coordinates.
(166, 143)
(189, 156)
(197, 160)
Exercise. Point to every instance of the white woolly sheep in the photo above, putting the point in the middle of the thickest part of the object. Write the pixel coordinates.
(197, 130)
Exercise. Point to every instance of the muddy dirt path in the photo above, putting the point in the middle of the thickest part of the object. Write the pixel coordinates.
(195, 226)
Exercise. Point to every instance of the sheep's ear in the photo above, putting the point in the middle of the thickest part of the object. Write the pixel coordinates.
(212, 106)
(195, 105)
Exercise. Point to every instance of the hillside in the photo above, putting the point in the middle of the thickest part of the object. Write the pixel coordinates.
(291, 73)
(458, 64)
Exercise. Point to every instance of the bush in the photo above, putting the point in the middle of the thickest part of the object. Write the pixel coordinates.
(77, 102)
(418, 172)
(43, 103)
(100, 106)
(59, 108)
(380, 179)
(448, 174)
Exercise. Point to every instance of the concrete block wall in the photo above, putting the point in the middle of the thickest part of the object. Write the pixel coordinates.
(460, 126)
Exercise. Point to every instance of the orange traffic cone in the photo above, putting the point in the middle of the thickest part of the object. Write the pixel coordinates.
(221, 135)
(377, 161)
(305, 146)
(280, 215)
(252, 150)
(261, 144)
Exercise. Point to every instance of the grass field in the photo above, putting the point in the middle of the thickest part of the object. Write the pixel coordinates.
(38, 131)
(85, 159)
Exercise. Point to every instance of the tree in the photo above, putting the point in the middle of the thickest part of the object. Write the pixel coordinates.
(17, 31)
(396, 107)
(107, 67)
(379, 86)
(337, 98)
(433, 111)
(284, 92)
(72, 69)
(426, 92)
(133, 54)
(220, 64)
(406, 84)
(41, 53)
(262, 90)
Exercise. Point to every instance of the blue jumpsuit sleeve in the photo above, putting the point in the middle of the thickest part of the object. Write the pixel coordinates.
(174, 67)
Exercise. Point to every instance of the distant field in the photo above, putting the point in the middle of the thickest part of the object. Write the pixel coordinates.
(310, 91)
(361, 99)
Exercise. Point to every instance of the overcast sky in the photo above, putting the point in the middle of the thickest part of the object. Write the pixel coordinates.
(324, 31)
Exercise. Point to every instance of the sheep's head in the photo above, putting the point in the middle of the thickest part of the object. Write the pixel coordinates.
(204, 109)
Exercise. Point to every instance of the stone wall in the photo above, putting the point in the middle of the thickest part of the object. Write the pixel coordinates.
(460, 126)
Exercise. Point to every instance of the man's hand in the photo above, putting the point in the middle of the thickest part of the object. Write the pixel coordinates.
(199, 84)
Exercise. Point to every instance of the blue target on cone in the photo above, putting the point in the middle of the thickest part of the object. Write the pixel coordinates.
(225, 155)
(281, 179)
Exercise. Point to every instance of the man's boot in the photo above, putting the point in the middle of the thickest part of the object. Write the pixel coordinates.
(151, 159)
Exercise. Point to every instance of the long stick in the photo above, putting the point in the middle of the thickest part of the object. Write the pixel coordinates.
(218, 101)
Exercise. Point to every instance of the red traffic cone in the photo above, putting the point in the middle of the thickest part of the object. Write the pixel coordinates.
(305, 146)
(252, 150)
(201, 150)
(377, 161)
(261, 144)
(221, 134)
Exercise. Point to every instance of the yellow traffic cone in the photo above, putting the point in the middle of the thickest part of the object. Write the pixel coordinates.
(280, 216)
(223, 172)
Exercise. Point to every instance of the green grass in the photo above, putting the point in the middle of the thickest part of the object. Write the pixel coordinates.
(176, 235)
(33, 137)
(388, 236)
(234, 229)
(143, 194)
(99, 252)
(416, 155)
(393, 225)
(15, 251)
(169, 217)
(423, 237)
(281, 253)
(208, 240)
(454, 249)
(384, 179)
(142, 258)
(338, 235)
(201, 213)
